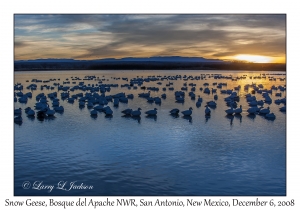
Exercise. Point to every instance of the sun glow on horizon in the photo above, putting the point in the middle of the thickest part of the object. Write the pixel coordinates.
(254, 58)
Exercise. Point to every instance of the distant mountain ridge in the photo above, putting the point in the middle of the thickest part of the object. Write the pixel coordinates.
(151, 63)
(132, 59)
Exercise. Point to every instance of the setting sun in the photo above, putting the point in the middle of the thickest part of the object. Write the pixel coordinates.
(254, 58)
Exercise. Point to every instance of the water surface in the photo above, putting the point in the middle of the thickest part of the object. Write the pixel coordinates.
(165, 155)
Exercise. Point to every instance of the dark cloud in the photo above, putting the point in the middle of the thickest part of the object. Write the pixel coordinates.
(223, 54)
(20, 44)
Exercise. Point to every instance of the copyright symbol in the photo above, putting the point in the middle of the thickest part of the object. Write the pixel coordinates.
(26, 185)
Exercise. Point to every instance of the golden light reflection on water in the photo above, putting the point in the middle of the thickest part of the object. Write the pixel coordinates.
(266, 79)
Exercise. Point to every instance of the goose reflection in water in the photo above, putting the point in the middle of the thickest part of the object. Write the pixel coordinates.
(138, 118)
(207, 117)
(238, 116)
(60, 112)
(31, 117)
(126, 116)
(18, 122)
(175, 115)
(41, 118)
(50, 118)
(108, 116)
(94, 116)
(154, 117)
(252, 116)
(230, 117)
(188, 117)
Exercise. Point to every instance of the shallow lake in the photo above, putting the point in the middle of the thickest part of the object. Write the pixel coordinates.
(163, 155)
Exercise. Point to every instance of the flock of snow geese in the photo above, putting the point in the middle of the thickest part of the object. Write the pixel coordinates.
(96, 97)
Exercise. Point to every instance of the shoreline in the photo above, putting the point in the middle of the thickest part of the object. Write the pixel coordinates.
(38, 70)
(181, 66)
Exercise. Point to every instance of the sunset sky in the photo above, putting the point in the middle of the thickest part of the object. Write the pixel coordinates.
(255, 38)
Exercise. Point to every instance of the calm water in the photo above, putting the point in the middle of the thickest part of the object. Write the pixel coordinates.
(166, 155)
